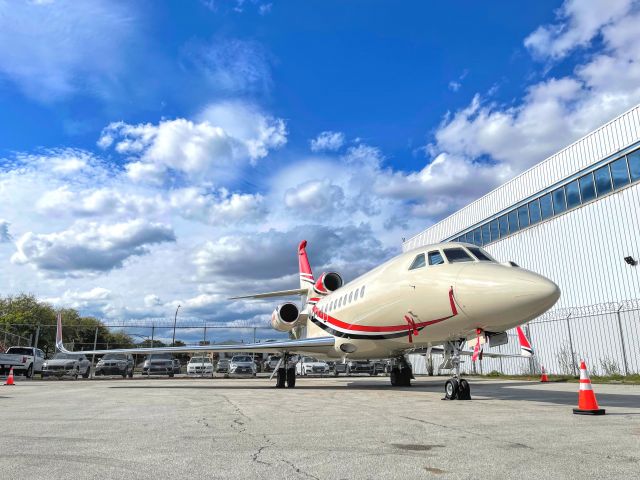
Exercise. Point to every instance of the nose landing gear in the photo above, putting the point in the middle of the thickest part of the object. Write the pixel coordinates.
(456, 387)
(401, 372)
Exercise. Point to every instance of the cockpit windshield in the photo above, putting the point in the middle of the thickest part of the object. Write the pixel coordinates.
(457, 255)
(481, 254)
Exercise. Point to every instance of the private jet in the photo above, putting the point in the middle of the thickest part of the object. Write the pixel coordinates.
(434, 299)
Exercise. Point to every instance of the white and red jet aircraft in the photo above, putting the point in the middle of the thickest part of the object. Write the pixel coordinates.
(431, 299)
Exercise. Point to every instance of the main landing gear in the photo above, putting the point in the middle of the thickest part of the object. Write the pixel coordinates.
(285, 374)
(456, 387)
(401, 373)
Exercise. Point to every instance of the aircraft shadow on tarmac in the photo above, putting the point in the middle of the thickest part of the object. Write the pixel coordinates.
(483, 390)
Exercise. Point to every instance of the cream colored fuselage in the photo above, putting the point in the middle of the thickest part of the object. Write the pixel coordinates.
(440, 302)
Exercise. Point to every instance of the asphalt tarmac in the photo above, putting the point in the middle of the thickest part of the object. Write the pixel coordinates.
(325, 428)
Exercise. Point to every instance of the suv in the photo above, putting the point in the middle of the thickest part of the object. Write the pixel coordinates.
(242, 365)
(158, 364)
(115, 364)
(222, 366)
(66, 364)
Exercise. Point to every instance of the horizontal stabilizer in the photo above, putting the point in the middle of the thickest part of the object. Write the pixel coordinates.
(281, 293)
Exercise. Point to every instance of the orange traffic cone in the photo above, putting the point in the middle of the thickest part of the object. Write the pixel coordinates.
(10, 378)
(544, 378)
(587, 403)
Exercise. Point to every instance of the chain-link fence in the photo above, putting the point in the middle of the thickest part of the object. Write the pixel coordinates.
(606, 336)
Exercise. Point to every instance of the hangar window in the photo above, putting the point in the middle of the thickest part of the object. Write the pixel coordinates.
(573, 194)
(603, 180)
(418, 262)
(620, 173)
(457, 255)
(486, 234)
(480, 255)
(435, 258)
(587, 188)
(559, 201)
(477, 237)
(523, 216)
(513, 221)
(545, 206)
(469, 237)
(534, 211)
(495, 233)
(503, 226)
(634, 165)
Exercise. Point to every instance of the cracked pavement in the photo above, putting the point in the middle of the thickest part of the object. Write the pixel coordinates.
(325, 428)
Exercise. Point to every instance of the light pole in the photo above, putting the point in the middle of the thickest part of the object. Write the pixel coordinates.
(175, 319)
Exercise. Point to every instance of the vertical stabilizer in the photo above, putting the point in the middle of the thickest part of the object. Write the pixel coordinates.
(306, 275)
(525, 346)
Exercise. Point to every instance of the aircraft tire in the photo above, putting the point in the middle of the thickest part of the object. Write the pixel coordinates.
(405, 377)
(281, 377)
(291, 377)
(395, 377)
(464, 390)
(451, 389)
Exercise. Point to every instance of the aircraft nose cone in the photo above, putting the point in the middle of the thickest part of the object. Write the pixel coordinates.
(495, 294)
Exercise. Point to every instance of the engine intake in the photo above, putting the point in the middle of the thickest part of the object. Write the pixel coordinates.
(285, 317)
(327, 283)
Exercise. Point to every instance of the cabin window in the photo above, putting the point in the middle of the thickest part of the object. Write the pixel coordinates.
(362, 292)
(418, 262)
(350, 296)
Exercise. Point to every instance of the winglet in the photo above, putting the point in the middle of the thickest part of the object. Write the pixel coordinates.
(525, 346)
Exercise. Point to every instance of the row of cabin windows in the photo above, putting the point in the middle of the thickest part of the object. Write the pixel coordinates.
(345, 299)
(602, 181)
(452, 255)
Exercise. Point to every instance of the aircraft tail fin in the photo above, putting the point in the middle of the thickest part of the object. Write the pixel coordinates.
(306, 275)
(525, 346)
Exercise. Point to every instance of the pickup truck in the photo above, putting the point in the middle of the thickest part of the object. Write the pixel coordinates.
(24, 360)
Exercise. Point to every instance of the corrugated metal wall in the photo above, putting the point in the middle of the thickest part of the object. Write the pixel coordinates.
(581, 250)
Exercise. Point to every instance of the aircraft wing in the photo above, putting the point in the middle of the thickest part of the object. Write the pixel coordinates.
(316, 345)
(281, 293)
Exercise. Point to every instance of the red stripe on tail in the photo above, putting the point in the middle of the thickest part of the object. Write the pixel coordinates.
(303, 261)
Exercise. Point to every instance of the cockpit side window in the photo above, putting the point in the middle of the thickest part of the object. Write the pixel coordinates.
(418, 262)
(435, 258)
(480, 255)
(457, 255)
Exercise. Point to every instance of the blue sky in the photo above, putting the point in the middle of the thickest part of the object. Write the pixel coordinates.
(163, 153)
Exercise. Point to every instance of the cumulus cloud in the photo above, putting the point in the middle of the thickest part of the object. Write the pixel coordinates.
(328, 141)
(315, 196)
(53, 49)
(219, 207)
(578, 23)
(89, 247)
(91, 300)
(226, 136)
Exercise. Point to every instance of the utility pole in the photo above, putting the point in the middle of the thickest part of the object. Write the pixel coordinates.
(175, 319)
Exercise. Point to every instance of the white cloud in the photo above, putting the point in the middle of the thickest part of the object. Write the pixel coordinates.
(578, 23)
(314, 197)
(232, 65)
(220, 207)
(53, 49)
(89, 247)
(327, 141)
(227, 135)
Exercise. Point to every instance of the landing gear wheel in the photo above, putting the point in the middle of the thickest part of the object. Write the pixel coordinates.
(395, 377)
(406, 374)
(86, 373)
(281, 378)
(291, 377)
(451, 389)
(464, 391)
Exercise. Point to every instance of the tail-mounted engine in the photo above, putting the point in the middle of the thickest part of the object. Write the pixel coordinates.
(327, 283)
(285, 317)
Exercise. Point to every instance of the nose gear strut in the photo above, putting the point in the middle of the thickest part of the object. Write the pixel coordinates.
(455, 387)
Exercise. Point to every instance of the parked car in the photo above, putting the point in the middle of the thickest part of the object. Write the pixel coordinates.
(222, 366)
(311, 366)
(24, 360)
(66, 364)
(200, 366)
(271, 363)
(176, 365)
(353, 367)
(242, 365)
(115, 364)
(158, 364)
